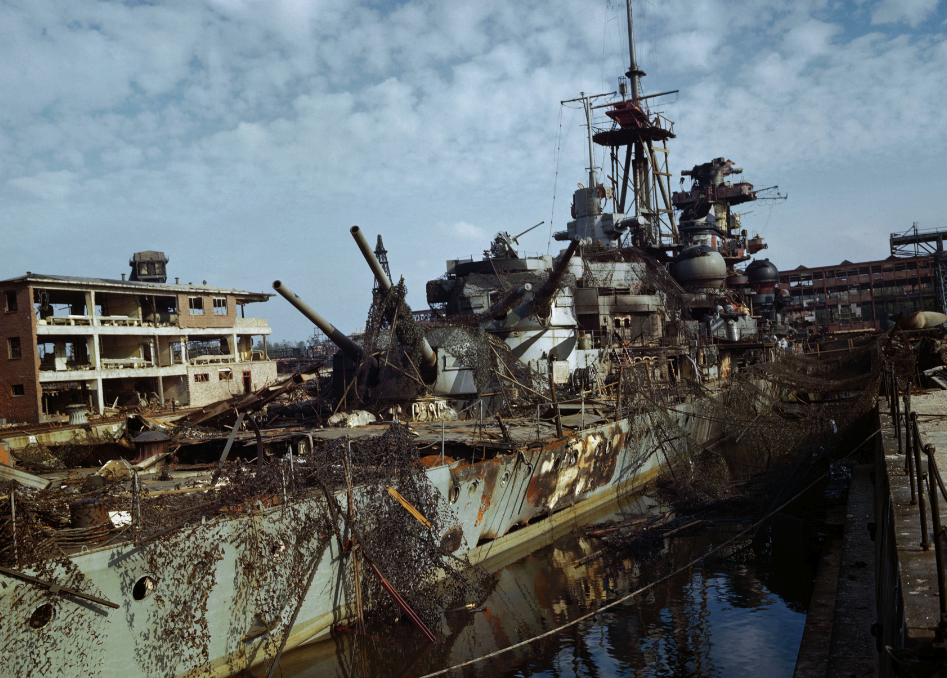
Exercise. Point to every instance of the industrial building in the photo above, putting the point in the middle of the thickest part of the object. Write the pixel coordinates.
(859, 296)
(104, 343)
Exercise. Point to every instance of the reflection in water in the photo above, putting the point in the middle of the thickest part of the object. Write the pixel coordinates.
(735, 616)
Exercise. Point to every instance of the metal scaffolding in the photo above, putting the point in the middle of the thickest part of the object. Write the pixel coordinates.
(917, 242)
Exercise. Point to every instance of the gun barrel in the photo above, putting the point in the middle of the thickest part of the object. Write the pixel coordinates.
(549, 288)
(349, 347)
(385, 284)
(383, 281)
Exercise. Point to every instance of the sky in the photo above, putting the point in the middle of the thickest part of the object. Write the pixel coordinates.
(244, 138)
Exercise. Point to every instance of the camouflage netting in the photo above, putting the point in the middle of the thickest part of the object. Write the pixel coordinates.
(396, 346)
(275, 521)
(409, 554)
(486, 355)
(656, 274)
(781, 426)
(502, 287)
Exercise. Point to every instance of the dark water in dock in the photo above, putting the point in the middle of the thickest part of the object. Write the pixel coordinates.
(736, 616)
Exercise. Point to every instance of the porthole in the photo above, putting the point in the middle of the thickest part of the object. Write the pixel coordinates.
(472, 488)
(144, 587)
(42, 616)
(454, 494)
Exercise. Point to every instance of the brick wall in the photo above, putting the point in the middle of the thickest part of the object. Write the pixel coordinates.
(22, 371)
(208, 319)
(201, 393)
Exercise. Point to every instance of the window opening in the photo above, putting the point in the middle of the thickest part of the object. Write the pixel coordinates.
(197, 305)
(13, 345)
(9, 301)
(220, 306)
(201, 377)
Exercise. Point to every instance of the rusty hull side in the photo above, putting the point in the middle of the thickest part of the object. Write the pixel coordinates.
(495, 495)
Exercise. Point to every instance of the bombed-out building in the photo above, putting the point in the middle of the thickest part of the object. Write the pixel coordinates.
(110, 343)
(858, 296)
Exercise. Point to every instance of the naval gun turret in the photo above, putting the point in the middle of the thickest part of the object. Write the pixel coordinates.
(352, 350)
(428, 366)
(539, 306)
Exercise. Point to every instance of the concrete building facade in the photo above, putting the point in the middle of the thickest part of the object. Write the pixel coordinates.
(857, 296)
(67, 340)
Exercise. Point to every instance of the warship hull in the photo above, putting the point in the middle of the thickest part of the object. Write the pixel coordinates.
(205, 617)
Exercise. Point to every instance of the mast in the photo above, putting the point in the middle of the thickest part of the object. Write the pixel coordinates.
(640, 176)
(633, 73)
(587, 106)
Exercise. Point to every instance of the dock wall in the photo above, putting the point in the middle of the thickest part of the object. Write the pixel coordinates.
(907, 581)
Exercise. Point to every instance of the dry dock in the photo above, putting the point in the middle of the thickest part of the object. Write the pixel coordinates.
(910, 627)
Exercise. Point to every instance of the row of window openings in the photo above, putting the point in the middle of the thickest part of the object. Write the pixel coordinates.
(18, 389)
(197, 305)
(868, 313)
(204, 377)
(842, 273)
(878, 281)
(15, 351)
(855, 289)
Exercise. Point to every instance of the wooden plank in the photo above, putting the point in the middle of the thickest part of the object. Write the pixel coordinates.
(233, 434)
(658, 148)
(409, 508)
(22, 477)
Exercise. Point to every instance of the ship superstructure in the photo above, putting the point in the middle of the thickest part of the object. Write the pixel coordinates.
(536, 390)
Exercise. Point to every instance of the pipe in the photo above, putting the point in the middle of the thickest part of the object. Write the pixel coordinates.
(348, 347)
(429, 359)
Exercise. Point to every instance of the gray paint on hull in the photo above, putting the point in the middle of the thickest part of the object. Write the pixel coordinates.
(125, 643)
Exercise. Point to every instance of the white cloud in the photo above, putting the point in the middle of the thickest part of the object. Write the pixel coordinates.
(811, 39)
(272, 123)
(47, 185)
(911, 12)
(469, 232)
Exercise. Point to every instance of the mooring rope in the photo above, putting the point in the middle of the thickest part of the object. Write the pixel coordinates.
(637, 592)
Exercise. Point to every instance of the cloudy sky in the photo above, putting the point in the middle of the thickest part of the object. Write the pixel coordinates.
(243, 138)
